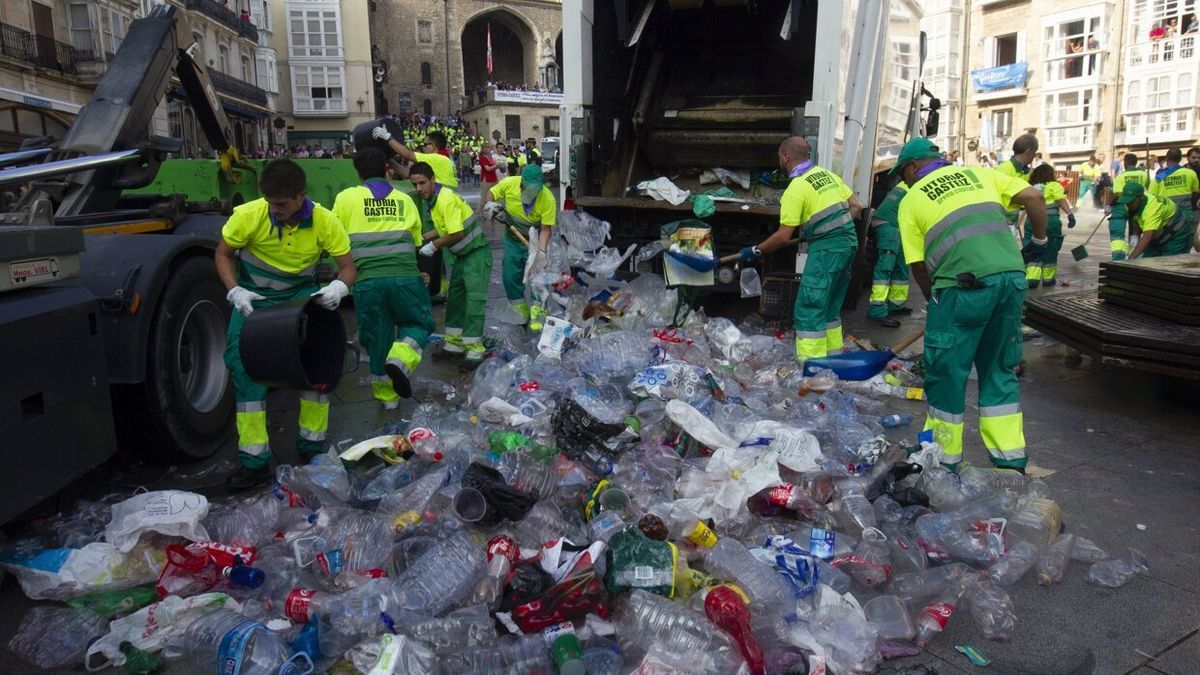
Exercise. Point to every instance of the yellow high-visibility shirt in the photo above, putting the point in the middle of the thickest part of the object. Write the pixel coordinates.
(542, 213)
(443, 167)
(250, 229)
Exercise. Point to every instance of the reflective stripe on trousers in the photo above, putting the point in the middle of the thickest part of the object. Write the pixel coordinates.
(314, 416)
(252, 429)
(947, 432)
(1002, 428)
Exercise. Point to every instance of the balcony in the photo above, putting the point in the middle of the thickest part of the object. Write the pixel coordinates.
(1156, 53)
(231, 86)
(1076, 138)
(224, 16)
(1001, 81)
(40, 50)
(1175, 125)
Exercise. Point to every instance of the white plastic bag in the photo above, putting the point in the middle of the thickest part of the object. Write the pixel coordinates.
(63, 573)
(751, 283)
(171, 512)
(152, 627)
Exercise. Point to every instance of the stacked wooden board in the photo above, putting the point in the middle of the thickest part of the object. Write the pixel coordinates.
(1146, 317)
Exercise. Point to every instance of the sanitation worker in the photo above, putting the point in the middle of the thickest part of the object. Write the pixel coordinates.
(392, 303)
(457, 230)
(1044, 270)
(1118, 217)
(1018, 166)
(956, 239)
(268, 255)
(527, 203)
(820, 205)
(889, 280)
(1177, 183)
(1165, 229)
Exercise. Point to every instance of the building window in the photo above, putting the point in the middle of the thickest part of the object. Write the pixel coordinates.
(198, 40)
(112, 30)
(260, 14)
(425, 32)
(1002, 123)
(1183, 95)
(80, 18)
(318, 89)
(264, 62)
(1158, 92)
(426, 74)
(315, 33)
(428, 107)
(1072, 49)
(223, 59)
(247, 75)
(1133, 96)
(1005, 50)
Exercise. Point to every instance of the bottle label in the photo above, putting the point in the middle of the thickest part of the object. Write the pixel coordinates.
(781, 495)
(295, 607)
(419, 434)
(702, 535)
(233, 648)
(821, 543)
(914, 394)
(643, 572)
(330, 562)
(940, 613)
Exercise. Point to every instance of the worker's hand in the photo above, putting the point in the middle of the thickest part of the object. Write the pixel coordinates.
(1034, 250)
(428, 250)
(331, 296)
(1108, 209)
(539, 261)
(493, 210)
(1070, 220)
(242, 299)
(381, 133)
(750, 254)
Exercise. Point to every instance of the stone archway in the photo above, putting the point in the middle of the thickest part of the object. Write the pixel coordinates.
(514, 47)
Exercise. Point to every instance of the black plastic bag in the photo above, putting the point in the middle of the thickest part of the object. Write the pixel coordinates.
(503, 500)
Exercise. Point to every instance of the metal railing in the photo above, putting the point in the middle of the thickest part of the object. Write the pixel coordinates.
(41, 50)
(224, 15)
(236, 88)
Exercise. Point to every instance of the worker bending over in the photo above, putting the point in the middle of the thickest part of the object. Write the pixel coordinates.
(820, 204)
(457, 230)
(1118, 218)
(1044, 270)
(268, 255)
(526, 203)
(889, 281)
(968, 266)
(392, 303)
(1165, 229)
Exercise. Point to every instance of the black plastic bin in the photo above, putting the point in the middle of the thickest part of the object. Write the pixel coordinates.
(294, 345)
(362, 138)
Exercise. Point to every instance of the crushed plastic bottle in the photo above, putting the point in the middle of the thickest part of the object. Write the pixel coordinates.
(1118, 571)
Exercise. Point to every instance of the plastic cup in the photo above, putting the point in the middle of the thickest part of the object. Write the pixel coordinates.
(890, 617)
(469, 505)
(614, 499)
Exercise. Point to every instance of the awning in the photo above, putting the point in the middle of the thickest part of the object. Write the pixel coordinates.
(39, 101)
(242, 110)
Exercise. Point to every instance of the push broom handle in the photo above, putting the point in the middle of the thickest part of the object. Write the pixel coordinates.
(907, 342)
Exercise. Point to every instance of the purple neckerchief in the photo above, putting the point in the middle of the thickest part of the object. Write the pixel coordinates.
(931, 167)
(302, 218)
(1166, 171)
(800, 168)
(379, 187)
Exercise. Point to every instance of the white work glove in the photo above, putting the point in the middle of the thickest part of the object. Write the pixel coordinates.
(429, 249)
(493, 209)
(331, 296)
(242, 299)
(539, 261)
(381, 133)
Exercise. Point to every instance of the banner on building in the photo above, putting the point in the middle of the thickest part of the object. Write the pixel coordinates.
(1001, 77)
(539, 97)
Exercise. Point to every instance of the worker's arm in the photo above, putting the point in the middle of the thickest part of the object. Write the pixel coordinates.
(402, 150)
(544, 239)
(347, 272)
(441, 242)
(225, 259)
(777, 239)
(1143, 243)
(489, 196)
(855, 207)
(1035, 209)
(921, 276)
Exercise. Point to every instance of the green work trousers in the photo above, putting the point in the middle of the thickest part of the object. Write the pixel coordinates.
(889, 280)
(512, 273)
(1044, 271)
(1118, 221)
(978, 327)
(817, 313)
(394, 323)
(1178, 242)
(251, 397)
(466, 302)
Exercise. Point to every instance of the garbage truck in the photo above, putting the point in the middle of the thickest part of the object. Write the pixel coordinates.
(681, 88)
(112, 317)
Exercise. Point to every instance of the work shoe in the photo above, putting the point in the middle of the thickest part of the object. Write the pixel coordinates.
(1049, 282)
(246, 478)
(400, 383)
(886, 321)
(390, 405)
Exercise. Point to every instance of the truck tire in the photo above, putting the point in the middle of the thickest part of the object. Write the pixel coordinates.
(185, 406)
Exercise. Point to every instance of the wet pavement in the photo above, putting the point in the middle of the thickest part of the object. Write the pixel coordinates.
(1120, 451)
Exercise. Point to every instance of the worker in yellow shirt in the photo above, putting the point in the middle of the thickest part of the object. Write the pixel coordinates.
(1177, 183)
(1118, 218)
(527, 204)
(1089, 173)
(1025, 148)
(530, 155)
(392, 304)
(819, 205)
(457, 230)
(956, 242)
(1165, 229)
(1044, 270)
(268, 255)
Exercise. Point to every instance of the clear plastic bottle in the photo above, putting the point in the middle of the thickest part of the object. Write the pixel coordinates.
(944, 489)
(437, 580)
(461, 629)
(1118, 571)
(942, 535)
(731, 561)
(855, 513)
(934, 616)
(528, 654)
(1052, 563)
(602, 656)
(644, 619)
(225, 637)
(1036, 520)
(1086, 550)
(979, 480)
(529, 475)
(992, 609)
(358, 544)
(502, 552)
(1010, 567)
(251, 522)
(352, 612)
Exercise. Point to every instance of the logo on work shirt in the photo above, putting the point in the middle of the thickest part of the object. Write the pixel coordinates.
(819, 180)
(942, 187)
(1175, 180)
(381, 208)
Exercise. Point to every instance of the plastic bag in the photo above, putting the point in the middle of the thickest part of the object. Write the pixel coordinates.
(503, 501)
(61, 573)
(150, 628)
(751, 283)
(170, 512)
(580, 434)
(637, 561)
(54, 637)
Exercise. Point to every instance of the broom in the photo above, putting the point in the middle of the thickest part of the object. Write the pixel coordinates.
(1080, 252)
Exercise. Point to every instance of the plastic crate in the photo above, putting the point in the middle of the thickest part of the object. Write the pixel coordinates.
(778, 295)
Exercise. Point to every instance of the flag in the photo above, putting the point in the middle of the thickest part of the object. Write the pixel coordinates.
(489, 48)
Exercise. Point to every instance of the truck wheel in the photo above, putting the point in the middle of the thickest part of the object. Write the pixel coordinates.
(185, 405)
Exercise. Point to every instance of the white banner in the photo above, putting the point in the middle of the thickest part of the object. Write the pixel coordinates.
(540, 97)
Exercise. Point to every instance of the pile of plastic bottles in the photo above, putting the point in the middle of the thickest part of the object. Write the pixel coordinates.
(631, 498)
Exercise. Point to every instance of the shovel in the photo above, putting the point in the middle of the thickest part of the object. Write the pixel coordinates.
(705, 264)
(857, 366)
(1080, 252)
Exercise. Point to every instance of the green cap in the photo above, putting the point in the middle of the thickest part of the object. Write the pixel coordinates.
(917, 148)
(531, 182)
(1130, 192)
